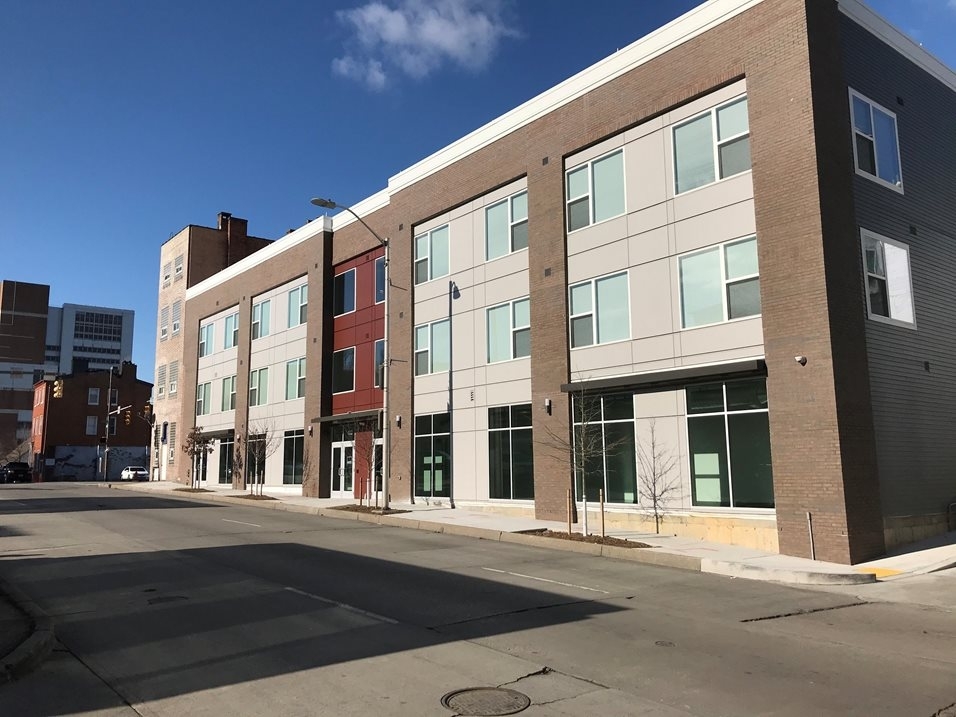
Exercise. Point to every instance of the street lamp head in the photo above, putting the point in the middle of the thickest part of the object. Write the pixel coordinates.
(325, 203)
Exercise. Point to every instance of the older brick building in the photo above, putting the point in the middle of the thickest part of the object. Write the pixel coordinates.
(98, 413)
(727, 244)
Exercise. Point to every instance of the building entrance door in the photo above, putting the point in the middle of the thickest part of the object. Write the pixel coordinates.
(343, 469)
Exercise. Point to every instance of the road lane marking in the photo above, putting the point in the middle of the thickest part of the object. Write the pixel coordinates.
(344, 606)
(254, 525)
(545, 580)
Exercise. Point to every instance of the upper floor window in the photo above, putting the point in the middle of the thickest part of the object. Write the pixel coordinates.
(229, 393)
(711, 146)
(432, 347)
(258, 387)
(600, 311)
(91, 425)
(203, 405)
(889, 290)
(343, 370)
(161, 381)
(431, 255)
(260, 319)
(875, 142)
(295, 379)
(379, 368)
(173, 377)
(205, 340)
(343, 293)
(231, 335)
(114, 397)
(720, 284)
(167, 273)
(509, 331)
(93, 397)
(595, 191)
(164, 323)
(178, 270)
(506, 226)
(380, 280)
(298, 305)
(177, 316)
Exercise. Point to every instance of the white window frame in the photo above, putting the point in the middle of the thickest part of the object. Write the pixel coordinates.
(178, 267)
(260, 310)
(589, 167)
(203, 399)
(301, 293)
(867, 235)
(717, 143)
(299, 366)
(164, 323)
(173, 378)
(90, 400)
(341, 352)
(427, 350)
(512, 223)
(514, 329)
(206, 341)
(92, 424)
(593, 311)
(876, 157)
(724, 283)
(161, 381)
(428, 258)
(229, 393)
(167, 274)
(259, 386)
(230, 335)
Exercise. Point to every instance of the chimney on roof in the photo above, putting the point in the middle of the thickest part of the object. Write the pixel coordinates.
(224, 218)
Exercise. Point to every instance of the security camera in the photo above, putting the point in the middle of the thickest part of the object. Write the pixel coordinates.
(802, 360)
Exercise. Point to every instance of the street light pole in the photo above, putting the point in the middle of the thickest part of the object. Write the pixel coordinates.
(386, 362)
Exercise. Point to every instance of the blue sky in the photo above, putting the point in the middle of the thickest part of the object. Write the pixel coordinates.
(121, 122)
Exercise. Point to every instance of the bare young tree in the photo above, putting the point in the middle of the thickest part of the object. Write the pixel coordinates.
(262, 440)
(197, 446)
(657, 482)
(584, 445)
(363, 432)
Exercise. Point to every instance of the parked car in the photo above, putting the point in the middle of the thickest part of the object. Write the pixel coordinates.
(134, 473)
(16, 472)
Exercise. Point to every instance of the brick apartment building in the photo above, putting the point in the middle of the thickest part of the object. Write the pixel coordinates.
(729, 243)
(72, 432)
(192, 255)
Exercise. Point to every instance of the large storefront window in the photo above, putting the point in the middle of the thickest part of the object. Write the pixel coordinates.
(226, 447)
(729, 434)
(433, 455)
(293, 452)
(605, 450)
(510, 453)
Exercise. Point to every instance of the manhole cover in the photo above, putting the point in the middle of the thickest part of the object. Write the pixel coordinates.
(485, 701)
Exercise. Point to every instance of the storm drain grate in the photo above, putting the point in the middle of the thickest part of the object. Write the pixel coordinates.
(486, 701)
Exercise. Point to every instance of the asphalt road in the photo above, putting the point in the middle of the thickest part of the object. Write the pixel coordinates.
(178, 607)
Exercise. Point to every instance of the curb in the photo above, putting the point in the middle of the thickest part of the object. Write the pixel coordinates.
(796, 577)
(30, 653)
(649, 556)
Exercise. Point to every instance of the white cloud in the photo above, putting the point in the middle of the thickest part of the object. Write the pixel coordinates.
(418, 37)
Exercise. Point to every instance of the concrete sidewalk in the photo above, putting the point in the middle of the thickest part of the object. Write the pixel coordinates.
(688, 553)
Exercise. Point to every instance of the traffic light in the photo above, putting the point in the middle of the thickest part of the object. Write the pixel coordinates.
(127, 417)
(58, 388)
(147, 409)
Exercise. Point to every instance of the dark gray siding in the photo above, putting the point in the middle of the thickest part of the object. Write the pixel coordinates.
(912, 373)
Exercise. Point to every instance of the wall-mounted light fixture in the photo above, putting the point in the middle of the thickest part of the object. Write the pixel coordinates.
(398, 421)
(547, 405)
(310, 431)
(802, 360)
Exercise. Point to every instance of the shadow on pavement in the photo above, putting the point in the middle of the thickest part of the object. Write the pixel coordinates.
(73, 504)
(164, 624)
